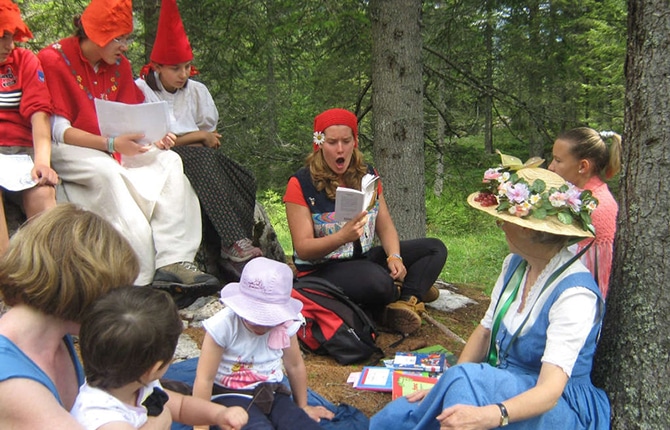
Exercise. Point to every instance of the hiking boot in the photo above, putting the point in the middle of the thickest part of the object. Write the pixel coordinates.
(431, 295)
(404, 315)
(182, 276)
(240, 251)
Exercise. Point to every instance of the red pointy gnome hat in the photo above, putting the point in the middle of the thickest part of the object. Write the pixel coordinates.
(10, 20)
(171, 45)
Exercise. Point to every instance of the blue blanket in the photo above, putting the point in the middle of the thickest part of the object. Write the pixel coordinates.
(346, 416)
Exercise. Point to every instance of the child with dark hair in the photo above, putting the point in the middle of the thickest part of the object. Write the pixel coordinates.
(127, 341)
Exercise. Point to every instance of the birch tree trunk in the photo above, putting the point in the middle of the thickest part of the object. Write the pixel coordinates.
(397, 97)
(632, 361)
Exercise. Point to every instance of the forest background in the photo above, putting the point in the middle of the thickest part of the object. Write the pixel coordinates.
(492, 74)
(497, 74)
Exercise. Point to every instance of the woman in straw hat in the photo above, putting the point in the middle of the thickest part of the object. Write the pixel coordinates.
(396, 277)
(528, 363)
(24, 116)
(226, 190)
(146, 195)
(584, 157)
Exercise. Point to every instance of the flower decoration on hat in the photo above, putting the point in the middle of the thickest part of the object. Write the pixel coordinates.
(319, 138)
(511, 193)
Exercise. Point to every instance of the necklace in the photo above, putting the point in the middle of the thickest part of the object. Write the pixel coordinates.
(80, 80)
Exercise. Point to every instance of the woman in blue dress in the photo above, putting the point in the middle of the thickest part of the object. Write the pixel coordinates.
(528, 363)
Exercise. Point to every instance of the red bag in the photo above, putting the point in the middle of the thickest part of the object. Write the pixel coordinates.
(335, 325)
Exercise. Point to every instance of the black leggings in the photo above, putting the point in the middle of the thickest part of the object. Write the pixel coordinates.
(367, 281)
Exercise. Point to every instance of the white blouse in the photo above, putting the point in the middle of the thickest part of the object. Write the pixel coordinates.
(190, 108)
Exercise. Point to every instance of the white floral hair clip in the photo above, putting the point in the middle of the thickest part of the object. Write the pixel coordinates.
(607, 134)
(319, 138)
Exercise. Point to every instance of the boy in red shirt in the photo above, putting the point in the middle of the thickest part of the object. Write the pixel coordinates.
(25, 109)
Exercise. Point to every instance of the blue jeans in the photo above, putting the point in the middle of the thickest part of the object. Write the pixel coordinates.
(284, 415)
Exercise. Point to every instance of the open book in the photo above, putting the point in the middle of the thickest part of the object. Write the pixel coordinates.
(350, 202)
(116, 118)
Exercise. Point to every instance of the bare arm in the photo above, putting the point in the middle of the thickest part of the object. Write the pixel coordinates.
(195, 411)
(388, 235)
(41, 128)
(27, 404)
(476, 347)
(126, 144)
(297, 376)
(209, 139)
(309, 247)
(208, 364)
(531, 403)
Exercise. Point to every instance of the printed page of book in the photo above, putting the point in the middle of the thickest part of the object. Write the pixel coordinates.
(150, 119)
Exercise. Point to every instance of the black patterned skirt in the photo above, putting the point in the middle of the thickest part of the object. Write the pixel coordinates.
(226, 190)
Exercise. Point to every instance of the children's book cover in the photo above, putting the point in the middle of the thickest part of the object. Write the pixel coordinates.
(433, 362)
(405, 383)
(375, 378)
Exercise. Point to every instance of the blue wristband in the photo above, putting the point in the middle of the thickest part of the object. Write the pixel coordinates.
(110, 145)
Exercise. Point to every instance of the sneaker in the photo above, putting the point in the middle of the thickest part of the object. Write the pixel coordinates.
(404, 315)
(178, 277)
(431, 295)
(242, 250)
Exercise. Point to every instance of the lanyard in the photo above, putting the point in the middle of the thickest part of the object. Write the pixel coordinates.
(507, 297)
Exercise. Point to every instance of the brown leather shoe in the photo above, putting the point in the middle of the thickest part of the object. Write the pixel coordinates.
(431, 295)
(404, 315)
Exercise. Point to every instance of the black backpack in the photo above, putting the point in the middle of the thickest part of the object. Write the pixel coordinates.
(336, 326)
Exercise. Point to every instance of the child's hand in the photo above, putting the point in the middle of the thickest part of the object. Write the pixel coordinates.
(162, 421)
(44, 175)
(318, 412)
(167, 142)
(232, 418)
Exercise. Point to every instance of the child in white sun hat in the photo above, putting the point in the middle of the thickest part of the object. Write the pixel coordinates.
(248, 343)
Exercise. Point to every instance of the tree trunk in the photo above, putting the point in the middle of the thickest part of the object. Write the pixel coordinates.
(488, 80)
(632, 360)
(438, 184)
(397, 97)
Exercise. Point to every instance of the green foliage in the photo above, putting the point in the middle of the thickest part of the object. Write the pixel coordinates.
(274, 208)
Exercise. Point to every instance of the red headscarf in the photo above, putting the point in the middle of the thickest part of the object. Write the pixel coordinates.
(10, 20)
(105, 20)
(333, 117)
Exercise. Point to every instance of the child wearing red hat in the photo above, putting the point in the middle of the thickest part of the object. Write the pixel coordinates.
(146, 196)
(396, 277)
(24, 117)
(226, 190)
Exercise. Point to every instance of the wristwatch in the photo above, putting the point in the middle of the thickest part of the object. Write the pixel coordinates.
(504, 417)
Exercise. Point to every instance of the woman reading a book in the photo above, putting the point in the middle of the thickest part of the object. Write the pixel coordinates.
(529, 361)
(393, 279)
(140, 189)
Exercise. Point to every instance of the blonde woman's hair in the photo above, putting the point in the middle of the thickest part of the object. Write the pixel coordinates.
(588, 144)
(325, 179)
(62, 260)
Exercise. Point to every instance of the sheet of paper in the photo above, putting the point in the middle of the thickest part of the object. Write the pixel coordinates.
(15, 172)
(150, 119)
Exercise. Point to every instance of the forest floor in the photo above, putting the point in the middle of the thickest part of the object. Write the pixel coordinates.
(329, 379)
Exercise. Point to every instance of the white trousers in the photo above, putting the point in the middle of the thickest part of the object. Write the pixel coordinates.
(147, 198)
